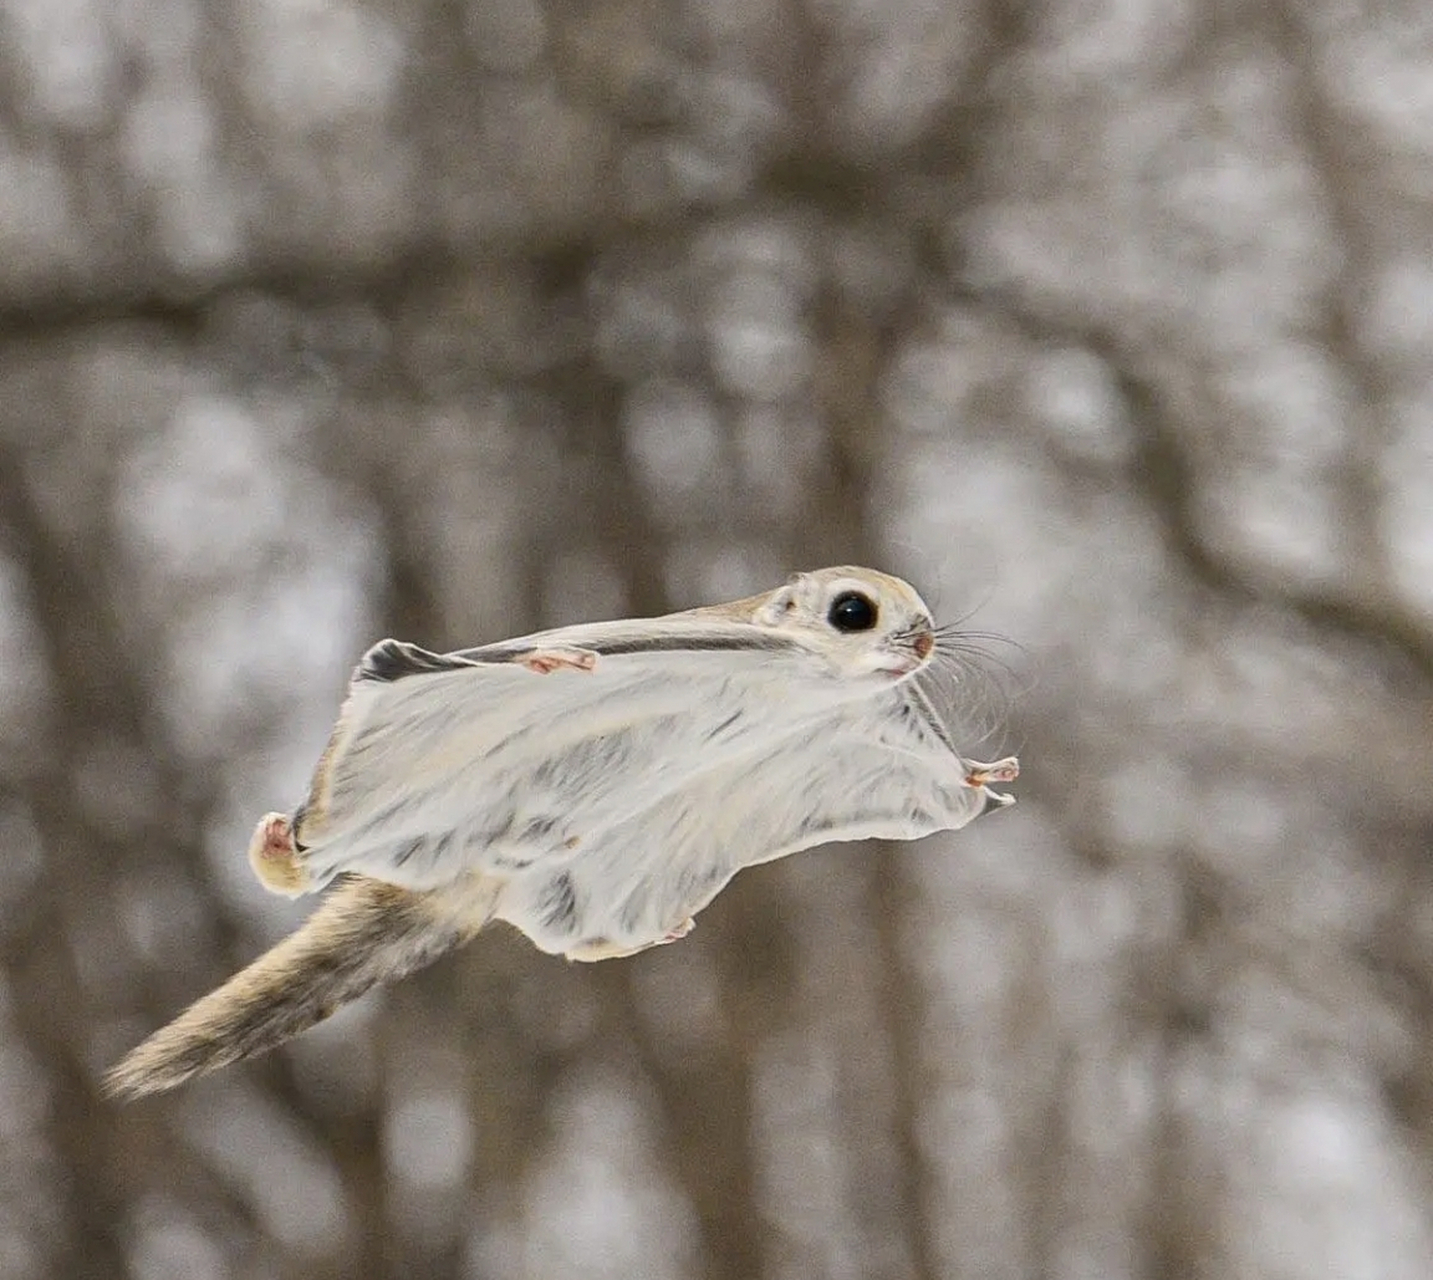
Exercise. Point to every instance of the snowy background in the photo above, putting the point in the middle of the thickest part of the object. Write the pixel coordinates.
(1108, 324)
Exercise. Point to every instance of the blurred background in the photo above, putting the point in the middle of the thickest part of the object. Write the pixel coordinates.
(1108, 324)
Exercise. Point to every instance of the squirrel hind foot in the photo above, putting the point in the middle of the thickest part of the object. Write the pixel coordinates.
(276, 858)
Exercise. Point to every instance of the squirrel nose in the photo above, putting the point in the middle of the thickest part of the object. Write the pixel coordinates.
(924, 643)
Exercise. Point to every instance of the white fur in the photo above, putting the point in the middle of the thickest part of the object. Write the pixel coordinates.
(614, 804)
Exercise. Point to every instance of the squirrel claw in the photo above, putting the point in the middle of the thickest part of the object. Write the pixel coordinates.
(546, 661)
(677, 934)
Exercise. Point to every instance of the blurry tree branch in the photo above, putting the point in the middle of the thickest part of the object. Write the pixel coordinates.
(1164, 472)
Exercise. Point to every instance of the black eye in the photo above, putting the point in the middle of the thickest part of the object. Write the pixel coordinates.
(851, 611)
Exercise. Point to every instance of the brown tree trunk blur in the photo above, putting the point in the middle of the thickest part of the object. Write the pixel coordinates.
(1110, 329)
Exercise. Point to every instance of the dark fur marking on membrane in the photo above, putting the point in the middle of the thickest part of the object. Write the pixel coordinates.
(538, 828)
(694, 884)
(548, 772)
(812, 823)
(482, 846)
(601, 752)
(512, 862)
(558, 903)
(391, 811)
(586, 753)
(698, 644)
(441, 847)
(405, 853)
(631, 913)
(713, 734)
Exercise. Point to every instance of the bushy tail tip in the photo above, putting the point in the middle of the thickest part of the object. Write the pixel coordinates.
(363, 933)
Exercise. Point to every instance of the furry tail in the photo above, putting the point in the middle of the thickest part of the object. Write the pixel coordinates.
(364, 932)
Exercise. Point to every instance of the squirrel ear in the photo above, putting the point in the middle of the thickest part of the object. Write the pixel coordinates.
(778, 604)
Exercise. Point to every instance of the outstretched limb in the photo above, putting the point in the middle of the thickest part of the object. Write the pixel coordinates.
(391, 660)
(981, 775)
